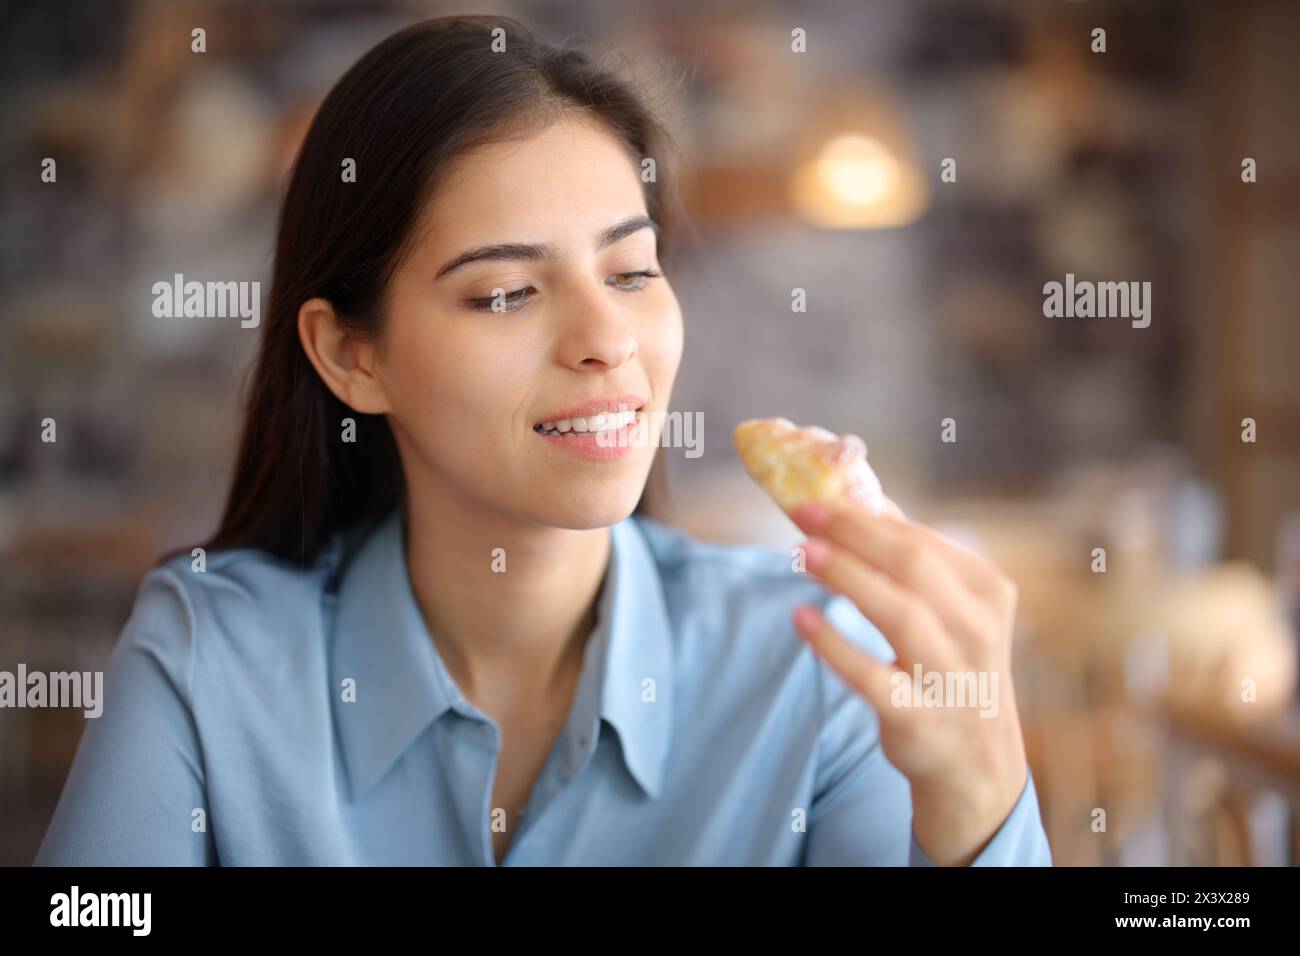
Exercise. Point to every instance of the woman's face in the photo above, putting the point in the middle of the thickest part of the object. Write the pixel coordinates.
(470, 388)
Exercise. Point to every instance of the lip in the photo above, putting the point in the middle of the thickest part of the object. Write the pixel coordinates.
(617, 445)
(595, 406)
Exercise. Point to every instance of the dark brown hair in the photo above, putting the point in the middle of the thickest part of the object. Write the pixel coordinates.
(403, 112)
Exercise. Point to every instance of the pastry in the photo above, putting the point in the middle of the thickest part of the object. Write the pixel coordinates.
(795, 464)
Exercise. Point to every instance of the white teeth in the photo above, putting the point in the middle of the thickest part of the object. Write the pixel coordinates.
(605, 421)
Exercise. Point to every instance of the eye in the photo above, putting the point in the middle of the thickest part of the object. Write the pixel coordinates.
(510, 301)
(632, 281)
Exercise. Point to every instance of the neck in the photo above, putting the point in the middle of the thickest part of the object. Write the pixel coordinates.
(505, 635)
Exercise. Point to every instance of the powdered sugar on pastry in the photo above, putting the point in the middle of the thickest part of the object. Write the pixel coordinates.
(795, 464)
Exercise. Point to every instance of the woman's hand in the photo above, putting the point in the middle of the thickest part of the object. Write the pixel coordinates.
(950, 613)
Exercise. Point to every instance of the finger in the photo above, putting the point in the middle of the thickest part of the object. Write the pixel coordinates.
(973, 568)
(912, 628)
(869, 676)
(891, 508)
(911, 563)
(975, 571)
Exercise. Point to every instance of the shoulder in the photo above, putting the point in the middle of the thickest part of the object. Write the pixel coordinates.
(731, 610)
(234, 580)
(745, 586)
(240, 608)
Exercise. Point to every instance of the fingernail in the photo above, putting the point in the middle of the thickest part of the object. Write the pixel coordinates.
(815, 551)
(805, 618)
(811, 515)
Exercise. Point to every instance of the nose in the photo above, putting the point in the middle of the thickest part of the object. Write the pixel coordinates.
(598, 336)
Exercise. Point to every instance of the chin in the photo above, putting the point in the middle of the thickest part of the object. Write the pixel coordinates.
(593, 508)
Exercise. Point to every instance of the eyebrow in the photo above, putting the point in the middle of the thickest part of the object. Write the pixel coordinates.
(544, 252)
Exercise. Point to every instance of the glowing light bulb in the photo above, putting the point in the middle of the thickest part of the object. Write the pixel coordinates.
(857, 169)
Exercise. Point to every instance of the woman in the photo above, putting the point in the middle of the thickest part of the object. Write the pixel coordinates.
(428, 632)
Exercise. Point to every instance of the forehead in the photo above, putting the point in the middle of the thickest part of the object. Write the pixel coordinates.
(573, 173)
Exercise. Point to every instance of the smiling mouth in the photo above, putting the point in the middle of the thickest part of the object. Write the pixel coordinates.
(607, 422)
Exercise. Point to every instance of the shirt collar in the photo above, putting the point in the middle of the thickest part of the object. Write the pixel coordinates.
(630, 659)
(402, 686)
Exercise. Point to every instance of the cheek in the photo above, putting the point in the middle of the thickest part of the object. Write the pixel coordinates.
(664, 344)
(445, 380)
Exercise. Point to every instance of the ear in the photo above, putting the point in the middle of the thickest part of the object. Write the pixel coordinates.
(344, 363)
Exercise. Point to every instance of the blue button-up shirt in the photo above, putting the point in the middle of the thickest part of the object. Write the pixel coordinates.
(259, 713)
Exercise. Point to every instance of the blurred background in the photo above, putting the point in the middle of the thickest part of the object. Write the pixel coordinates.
(1160, 691)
